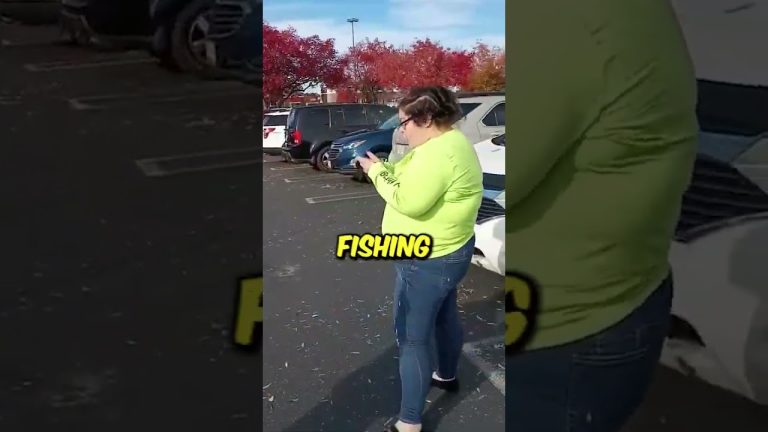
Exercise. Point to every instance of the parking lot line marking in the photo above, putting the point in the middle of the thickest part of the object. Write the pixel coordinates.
(11, 44)
(199, 162)
(340, 197)
(290, 167)
(152, 169)
(100, 101)
(495, 375)
(54, 66)
(322, 177)
(200, 154)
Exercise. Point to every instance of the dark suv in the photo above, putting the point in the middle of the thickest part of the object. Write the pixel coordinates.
(310, 129)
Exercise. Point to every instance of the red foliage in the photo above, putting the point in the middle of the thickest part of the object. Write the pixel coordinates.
(488, 69)
(293, 63)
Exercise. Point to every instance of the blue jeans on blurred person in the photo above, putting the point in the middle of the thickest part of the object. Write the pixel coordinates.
(590, 385)
(426, 305)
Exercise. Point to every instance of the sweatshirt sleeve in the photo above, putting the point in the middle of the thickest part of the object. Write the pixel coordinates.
(554, 78)
(416, 190)
(388, 166)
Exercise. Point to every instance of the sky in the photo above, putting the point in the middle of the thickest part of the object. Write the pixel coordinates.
(457, 24)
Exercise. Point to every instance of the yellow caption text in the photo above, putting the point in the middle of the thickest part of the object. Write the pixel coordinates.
(384, 246)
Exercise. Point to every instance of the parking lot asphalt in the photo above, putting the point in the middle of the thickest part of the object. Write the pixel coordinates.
(119, 281)
(330, 360)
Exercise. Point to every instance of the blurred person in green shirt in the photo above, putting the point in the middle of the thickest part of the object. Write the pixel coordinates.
(601, 111)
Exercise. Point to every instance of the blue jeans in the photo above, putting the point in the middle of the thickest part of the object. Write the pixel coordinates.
(594, 384)
(425, 305)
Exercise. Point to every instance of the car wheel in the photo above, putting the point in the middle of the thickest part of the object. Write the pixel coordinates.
(360, 176)
(313, 162)
(323, 161)
(191, 47)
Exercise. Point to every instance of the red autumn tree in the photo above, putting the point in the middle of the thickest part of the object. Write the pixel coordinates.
(293, 64)
(365, 65)
(429, 63)
(346, 94)
(488, 72)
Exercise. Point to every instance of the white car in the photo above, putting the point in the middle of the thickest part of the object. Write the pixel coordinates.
(720, 267)
(274, 130)
(490, 226)
(483, 119)
(719, 261)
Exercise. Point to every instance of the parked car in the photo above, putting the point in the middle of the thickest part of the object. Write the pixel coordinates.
(212, 38)
(483, 118)
(489, 104)
(344, 150)
(718, 261)
(491, 153)
(274, 131)
(105, 22)
(312, 128)
(490, 234)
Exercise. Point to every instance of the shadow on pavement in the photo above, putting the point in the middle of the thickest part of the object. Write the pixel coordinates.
(368, 397)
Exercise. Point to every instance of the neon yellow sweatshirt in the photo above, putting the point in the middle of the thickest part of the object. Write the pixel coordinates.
(436, 189)
(603, 139)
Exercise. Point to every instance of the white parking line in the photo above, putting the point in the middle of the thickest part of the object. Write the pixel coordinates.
(97, 102)
(323, 177)
(290, 168)
(197, 162)
(151, 169)
(200, 154)
(71, 65)
(10, 43)
(495, 375)
(340, 197)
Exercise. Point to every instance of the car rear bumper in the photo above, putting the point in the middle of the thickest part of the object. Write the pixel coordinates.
(300, 152)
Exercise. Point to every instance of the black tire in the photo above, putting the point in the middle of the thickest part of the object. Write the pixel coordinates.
(181, 51)
(321, 159)
(313, 162)
(360, 176)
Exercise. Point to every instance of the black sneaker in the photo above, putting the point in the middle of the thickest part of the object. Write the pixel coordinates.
(451, 386)
(390, 426)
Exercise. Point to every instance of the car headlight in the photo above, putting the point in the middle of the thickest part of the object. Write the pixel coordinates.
(356, 144)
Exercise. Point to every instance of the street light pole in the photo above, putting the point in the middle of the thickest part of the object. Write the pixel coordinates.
(354, 65)
(353, 21)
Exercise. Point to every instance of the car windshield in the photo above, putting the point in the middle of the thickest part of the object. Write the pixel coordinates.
(391, 123)
(275, 120)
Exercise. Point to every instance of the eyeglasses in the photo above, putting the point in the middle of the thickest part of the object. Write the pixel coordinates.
(402, 123)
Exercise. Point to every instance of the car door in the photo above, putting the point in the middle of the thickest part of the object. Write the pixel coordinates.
(492, 124)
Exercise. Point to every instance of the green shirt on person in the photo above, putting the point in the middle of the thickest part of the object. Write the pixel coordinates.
(435, 189)
(602, 125)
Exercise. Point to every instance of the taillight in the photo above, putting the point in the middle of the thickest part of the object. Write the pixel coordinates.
(296, 137)
(268, 131)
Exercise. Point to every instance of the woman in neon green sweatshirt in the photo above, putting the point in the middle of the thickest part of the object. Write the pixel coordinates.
(436, 189)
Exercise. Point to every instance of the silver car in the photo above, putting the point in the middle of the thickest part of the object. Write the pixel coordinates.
(483, 119)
